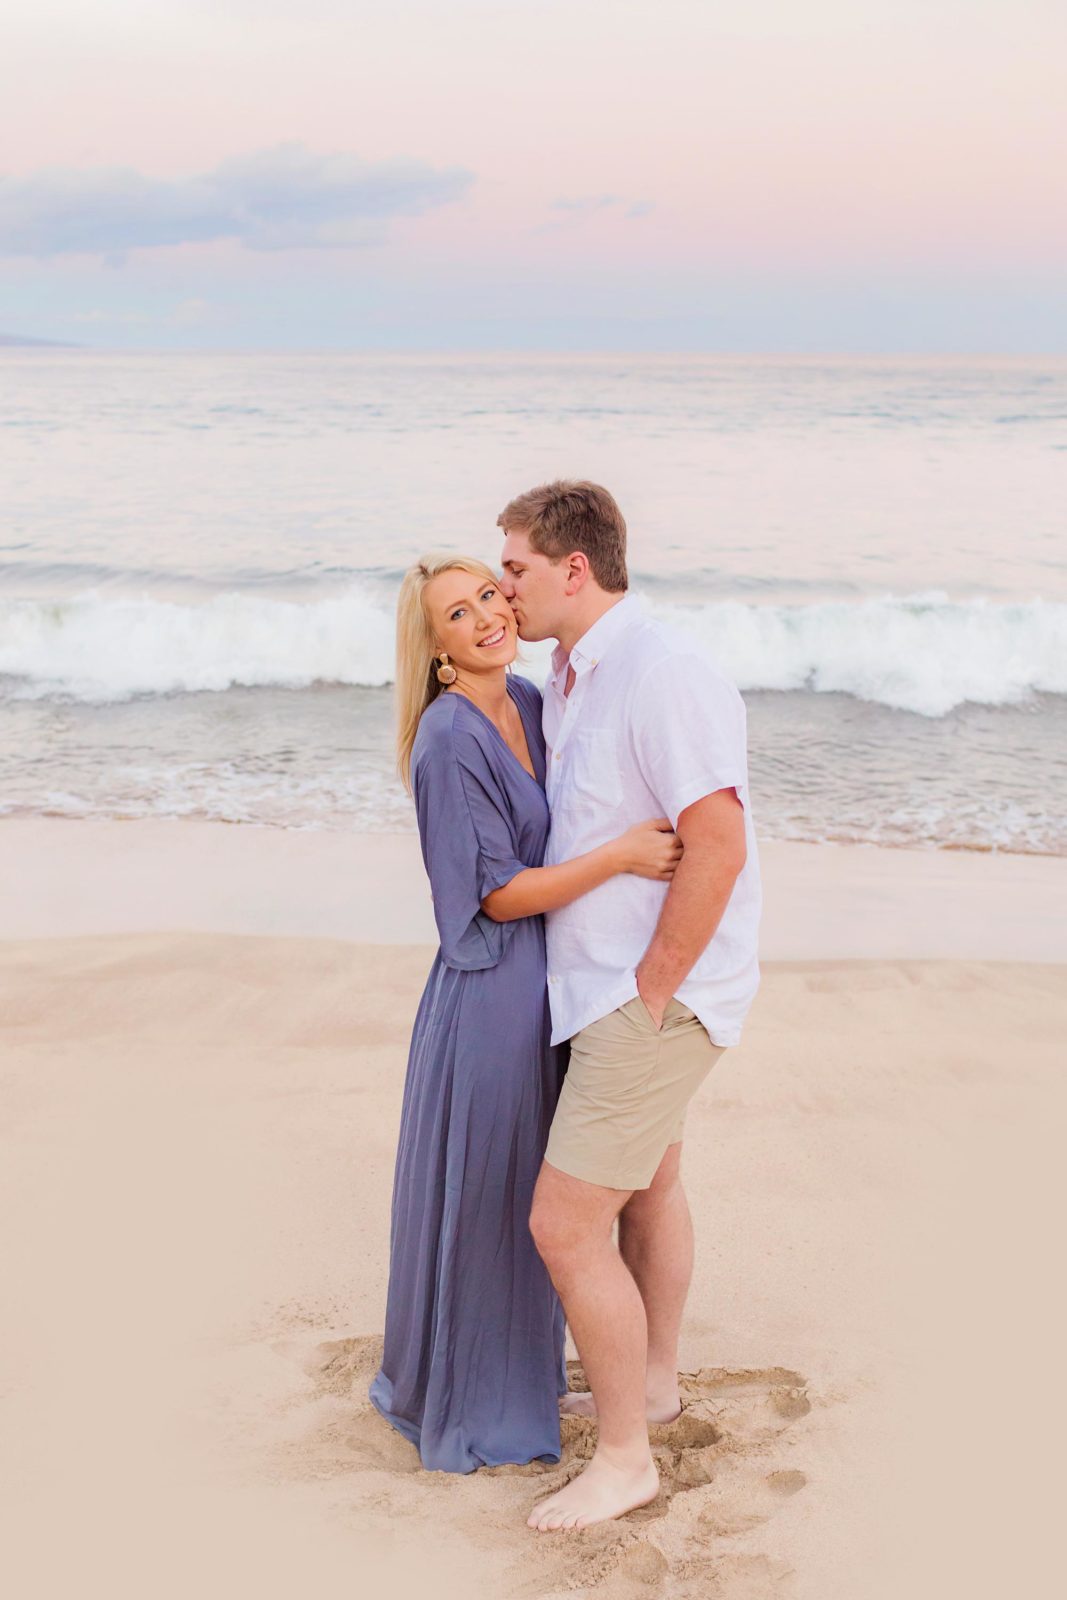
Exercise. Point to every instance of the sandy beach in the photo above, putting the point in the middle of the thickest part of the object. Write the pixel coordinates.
(201, 1089)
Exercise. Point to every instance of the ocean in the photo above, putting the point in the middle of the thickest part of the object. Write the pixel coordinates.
(200, 553)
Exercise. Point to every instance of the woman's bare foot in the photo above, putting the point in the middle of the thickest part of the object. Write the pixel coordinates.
(659, 1409)
(601, 1492)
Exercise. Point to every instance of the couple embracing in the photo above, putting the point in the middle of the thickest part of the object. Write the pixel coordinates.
(596, 890)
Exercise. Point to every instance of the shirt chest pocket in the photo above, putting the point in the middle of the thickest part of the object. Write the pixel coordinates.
(595, 776)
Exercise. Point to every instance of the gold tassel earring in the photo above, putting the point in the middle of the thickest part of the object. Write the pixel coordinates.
(445, 673)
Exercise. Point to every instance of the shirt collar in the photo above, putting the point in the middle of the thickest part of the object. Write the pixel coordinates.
(596, 641)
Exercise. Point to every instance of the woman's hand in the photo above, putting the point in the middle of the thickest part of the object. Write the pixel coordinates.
(650, 849)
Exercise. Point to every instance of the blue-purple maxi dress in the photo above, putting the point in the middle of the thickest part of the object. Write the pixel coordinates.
(474, 1364)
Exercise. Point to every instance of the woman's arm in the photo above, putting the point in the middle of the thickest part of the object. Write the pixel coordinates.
(650, 849)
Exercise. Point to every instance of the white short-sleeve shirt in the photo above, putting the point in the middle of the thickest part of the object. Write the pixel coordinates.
(651, 724)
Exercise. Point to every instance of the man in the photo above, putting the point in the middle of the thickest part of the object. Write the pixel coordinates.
(649, 981)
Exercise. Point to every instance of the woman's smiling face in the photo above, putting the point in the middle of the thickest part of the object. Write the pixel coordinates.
(471, 620)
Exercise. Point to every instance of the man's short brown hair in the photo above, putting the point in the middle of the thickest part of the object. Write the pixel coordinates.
(572, 514)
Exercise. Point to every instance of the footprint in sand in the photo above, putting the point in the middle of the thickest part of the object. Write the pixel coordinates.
(725, 1469)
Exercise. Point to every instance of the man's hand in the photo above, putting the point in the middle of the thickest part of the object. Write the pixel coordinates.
(655, 1007)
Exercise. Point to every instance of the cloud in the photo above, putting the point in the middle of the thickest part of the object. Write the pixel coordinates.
(577, 208)
(99, 314)
(587, 203)
(281, 199)
(192, 313)
(189, 313)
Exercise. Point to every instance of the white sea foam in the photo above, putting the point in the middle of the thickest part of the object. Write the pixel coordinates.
(99, 647)
(924, 653)
(921, 653)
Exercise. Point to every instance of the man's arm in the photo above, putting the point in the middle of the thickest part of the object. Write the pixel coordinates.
(712, 831)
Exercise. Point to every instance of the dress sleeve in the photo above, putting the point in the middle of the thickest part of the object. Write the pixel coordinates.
(689, 727)
(468, 846)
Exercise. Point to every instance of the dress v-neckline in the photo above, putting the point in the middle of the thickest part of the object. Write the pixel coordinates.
(525, 733)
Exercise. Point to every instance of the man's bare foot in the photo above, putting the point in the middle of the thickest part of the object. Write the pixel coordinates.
(601, 1492)
(580, 1403)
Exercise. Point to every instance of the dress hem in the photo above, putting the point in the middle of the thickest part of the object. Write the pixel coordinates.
(412, 1434)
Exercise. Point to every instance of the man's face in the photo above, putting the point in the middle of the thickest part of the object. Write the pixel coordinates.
(534, 587)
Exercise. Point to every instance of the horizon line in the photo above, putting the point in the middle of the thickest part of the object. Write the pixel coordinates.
(36, 343)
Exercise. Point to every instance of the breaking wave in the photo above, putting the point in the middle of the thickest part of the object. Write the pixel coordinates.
(922, 653)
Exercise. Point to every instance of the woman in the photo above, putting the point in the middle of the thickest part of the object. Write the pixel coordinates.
(473, 1363)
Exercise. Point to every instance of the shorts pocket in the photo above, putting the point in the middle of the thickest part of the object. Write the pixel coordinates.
(642, 1013)
(676, 1014)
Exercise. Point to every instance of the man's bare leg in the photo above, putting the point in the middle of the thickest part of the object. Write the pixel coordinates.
(656, 1242)
(571, 1222)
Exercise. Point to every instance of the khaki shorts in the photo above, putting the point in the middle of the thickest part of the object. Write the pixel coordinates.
(626, 1091)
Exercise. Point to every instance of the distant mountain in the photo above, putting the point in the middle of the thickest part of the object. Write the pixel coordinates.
(10, 340)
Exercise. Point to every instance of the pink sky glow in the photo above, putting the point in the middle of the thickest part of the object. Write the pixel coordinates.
(662, 146)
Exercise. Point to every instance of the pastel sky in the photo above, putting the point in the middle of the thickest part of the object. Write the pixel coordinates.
(779, 175)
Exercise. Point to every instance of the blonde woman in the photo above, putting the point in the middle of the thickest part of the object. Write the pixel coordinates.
(473, 1362)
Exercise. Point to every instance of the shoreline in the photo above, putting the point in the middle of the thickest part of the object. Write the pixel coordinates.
(66, 878)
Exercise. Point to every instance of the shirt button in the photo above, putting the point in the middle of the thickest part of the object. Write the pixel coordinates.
(558, 755)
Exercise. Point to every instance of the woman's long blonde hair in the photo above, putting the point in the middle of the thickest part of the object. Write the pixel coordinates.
(416, 664)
